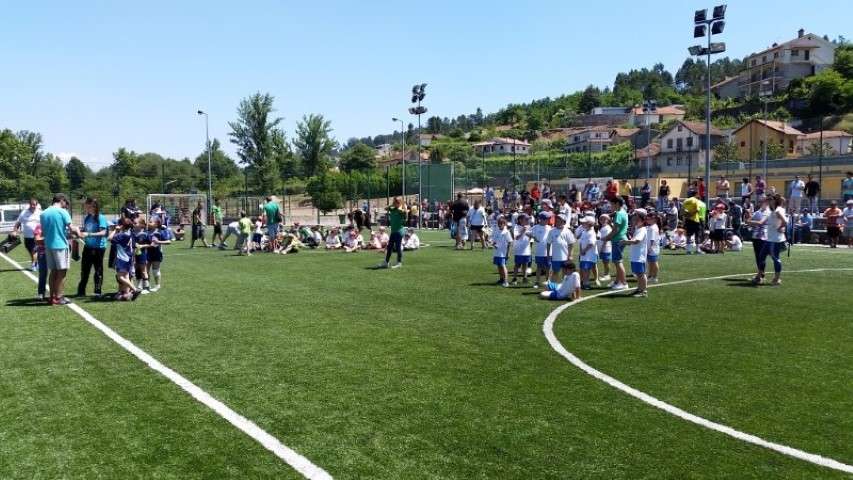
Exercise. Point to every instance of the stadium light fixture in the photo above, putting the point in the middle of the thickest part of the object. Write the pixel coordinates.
(700, 16)
(719, 12)
(717, 27)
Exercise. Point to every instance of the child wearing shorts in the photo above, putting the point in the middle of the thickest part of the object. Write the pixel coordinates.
(588, 250)
(653, 258)
(521, 249)
(561, 240)
(639, 243)
(502, 239)
(121, 238)
(569, 288)
(539, 234)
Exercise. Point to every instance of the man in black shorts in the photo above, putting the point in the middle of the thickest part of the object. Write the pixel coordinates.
(459, 212)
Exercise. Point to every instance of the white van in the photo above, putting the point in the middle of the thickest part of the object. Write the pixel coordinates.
(9, 215)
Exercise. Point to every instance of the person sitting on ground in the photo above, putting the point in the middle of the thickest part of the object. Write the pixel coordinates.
(333, 239)
(179, 233)
(375, 242)
(734, 243)
(353, 241)
(317, 235)
(411, 240)
(679, 240)
(569, 288)
(288, 243)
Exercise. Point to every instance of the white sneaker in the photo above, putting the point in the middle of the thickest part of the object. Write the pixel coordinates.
(604, 278)
(382, 265)
(505, 285)
(653, 280)
(536, 286)
(619, 286)
(397, 265)
(155, 288)
(597, 282)
(145, 291)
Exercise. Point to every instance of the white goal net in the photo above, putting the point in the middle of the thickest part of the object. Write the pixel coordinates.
(179, 207)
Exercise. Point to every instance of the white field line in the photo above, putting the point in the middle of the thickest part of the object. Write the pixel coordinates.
(548, 329)
(295, 460)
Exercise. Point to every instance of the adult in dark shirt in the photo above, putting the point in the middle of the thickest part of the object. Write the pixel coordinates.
(459, 213)
(129, 210)
(812, 192)
(198, 226)
(663, 195)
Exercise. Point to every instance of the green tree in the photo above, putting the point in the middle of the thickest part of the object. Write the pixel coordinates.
(221, 164)
(125, 164)
(254, 133)
(725, 152)
(815, 150)
(314, 144)
(844, 61)
(359, 157)
(590, 99)
(77, 173)
(324, 193)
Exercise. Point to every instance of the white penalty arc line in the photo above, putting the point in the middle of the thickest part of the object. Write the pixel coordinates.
(295, 460)
(548, 329)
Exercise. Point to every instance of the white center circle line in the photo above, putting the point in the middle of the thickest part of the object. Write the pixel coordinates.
(548, 330)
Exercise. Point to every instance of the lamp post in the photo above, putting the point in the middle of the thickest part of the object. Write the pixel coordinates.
(765, 98)
(649, 108)
(209, 172)
(704, 26)
(418, 94)
(403, 144)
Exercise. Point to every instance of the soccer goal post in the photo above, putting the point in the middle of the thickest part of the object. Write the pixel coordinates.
(179, 207)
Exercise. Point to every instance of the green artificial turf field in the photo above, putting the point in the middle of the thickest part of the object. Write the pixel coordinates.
(429, 371)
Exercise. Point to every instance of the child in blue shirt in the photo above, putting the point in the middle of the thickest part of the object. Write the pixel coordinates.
(142, 242)
(159, 235)
(121, 239)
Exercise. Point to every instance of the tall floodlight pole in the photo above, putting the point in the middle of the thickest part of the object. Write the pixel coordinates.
(209, 172)
(765, 98)
(704, 26)
(403, 144)
(418, 94)
(649, 108)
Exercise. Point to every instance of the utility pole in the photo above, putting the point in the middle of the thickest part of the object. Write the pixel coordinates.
(418, 94)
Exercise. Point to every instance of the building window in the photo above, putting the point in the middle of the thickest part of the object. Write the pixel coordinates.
(679, 144)
(764, 59)
(806, 54)
(752, 63)
(604, 147)
(795, 53)
(743, 144)
(679, 127)
(790, 146)
(678, 160)
(668, 161)
(775, 54)
(689, 142)
(668, 143)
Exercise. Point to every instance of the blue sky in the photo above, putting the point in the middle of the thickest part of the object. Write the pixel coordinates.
(96, 75)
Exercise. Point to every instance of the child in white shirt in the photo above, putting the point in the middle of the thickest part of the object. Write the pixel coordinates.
(333, 240)
(353, 241)
(561, 240)
(653, 257)
(679, 240)
(605, 247)
(411, 240)
(502, 240)
(639, 251)
(521, 249)
(539, 234)
(569, 288)
(588, 249)
(734, 243)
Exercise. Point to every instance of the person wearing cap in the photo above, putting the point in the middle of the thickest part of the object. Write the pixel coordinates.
(619, 233)
(588, 244)
(639, 243)
(833, 216)
(539, 234)
(560, 240)
(847, 214)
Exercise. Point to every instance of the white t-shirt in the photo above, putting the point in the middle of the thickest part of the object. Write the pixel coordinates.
(412, 242)
(521, 244)
(234, 226)
(640, 250)
(654, 239)
(736, 244)
(718, 222)
(333, 240)
(604, 246)
(773, 224)
(847, 215)
(539, 234)
(28, 221)
(797, 188)
(561, 241)
(744, 189)
(259, 227)
(502, 240)
(569, 285)
(477, 216)
(588, 238)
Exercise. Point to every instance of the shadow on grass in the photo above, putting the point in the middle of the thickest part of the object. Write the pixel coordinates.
(26, 302)
(4, 270)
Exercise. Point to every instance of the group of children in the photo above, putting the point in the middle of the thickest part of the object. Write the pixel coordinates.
(138, 253)
(351, 240)
(551, 250)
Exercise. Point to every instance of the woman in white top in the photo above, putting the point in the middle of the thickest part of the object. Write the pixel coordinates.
(776, 224)
(477, 222)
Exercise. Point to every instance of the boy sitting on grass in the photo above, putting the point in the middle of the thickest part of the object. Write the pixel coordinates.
(569, 288)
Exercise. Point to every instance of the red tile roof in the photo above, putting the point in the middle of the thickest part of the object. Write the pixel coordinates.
(699, 128)
(654, 148)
